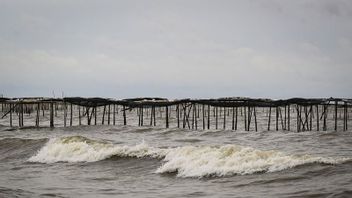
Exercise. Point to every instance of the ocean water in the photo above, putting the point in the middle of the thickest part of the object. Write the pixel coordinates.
(130, 161)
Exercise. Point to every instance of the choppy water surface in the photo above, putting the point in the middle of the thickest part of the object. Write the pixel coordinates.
(126, 161)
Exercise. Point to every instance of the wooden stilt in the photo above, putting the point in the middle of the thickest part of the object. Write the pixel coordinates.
(224, 118)
(310, 118)
(114, 114)
(193, 115)
(236, 118)
(203, 114)
(71, 114)
(154, 119)
(285, 119)
(233, 118)
(208, 117)
(95, 115)
(317, 111)
(87, 113)
(255, 119)
(196, 116)
(167, 116)
(65, 113)
(11, 106)
(216, 117)
(277, 118)
(325, 117)
(38, 112)
(288, 117)
(124, 115)
(51, 114)
(109, 114)
(336, 115)
(178, 115)
(103, 118)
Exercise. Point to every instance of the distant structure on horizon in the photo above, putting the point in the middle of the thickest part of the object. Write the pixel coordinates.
(302, 113)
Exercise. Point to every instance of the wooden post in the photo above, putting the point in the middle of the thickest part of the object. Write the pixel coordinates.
(109, 114)
(11, 106)
(193, 115)
(124, 115)
(65, 114)
(325, 117)
(71, 114)
(166, 116)
(297, 120)
(178, 115)
(79, 115)
(208, 117)
(233, 118)
(236, 118)
(255, 119)
(203, 114)
(37, 118)
(154, 119)
(88, 117)
(335, 115)
(310, 118)
(249, 117)
(196, 116)
(224, 118)
(216, 117)
(43, 109)
(103, 119)
(285, 118)
(346, 116)
(22, 112)
(288, 117)
(277, 118)
(245, 118)
(317, 107)
(51, 114)
(55, 109)
(19, 115)
(114, 116)
(95, 115)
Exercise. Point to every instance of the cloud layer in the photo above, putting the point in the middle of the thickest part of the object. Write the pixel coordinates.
(176, 49)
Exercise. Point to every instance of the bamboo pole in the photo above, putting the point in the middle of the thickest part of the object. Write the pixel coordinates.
(51, 114)
(166, 116)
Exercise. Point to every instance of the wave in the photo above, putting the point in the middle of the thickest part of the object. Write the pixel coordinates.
(13, 144)
(18, 148)
(82, 149)
(185, 161)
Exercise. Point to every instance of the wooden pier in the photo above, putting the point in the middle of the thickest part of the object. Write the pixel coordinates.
(237, 113)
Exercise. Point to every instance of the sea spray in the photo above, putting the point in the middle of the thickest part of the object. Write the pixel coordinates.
(185, 161)
(81, 149)
(203, 161)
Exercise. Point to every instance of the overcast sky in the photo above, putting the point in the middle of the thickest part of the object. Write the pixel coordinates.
(176, 49)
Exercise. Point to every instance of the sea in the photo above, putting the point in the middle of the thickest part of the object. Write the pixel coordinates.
(154, 161)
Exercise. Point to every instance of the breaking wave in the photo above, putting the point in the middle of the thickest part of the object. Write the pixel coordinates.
(186, 161)
(82, 149)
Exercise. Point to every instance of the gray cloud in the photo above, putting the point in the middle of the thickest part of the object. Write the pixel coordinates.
(176, 48)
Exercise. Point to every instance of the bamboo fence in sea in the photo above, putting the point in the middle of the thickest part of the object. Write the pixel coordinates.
(295, 114)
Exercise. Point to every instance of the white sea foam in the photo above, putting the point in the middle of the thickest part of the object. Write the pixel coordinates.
(226, 160)
(81, 149)
(186, 161)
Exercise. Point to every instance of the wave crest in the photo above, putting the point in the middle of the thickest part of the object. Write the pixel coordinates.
(82, 149)
(186, 161)
(228, 160)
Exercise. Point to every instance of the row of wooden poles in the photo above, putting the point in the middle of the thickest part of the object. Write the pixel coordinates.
(187, 115)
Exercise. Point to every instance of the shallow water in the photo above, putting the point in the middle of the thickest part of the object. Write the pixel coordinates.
(126, 161)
